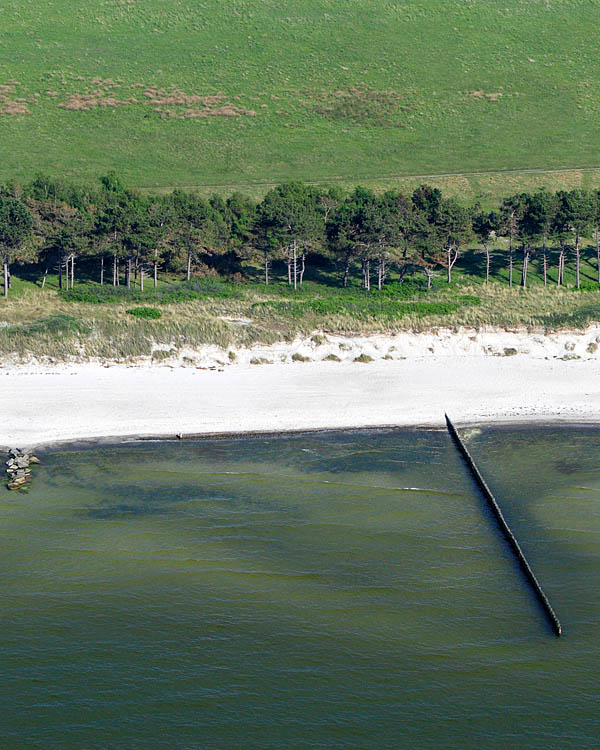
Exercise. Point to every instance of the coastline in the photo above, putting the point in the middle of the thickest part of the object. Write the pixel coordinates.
(44, 405)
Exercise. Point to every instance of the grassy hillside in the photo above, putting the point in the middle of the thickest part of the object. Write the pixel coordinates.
(212, 93)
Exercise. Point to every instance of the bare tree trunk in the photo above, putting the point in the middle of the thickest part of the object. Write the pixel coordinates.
(118, 274)
(525, 265)
(597, 253)
(45, 277)
(155, 274)
(72, 271)
(102, 270)
(266, 269)
(302, 267)
(295, 265)
(135, 272)
(128, 272)
(380, 272)
(545, 256)
(366, 269)
(561, 265)
(451, 261)
(5, 268)
(289, 264)
(141, 279)
(114, 270)
(188, 270)
(346, 272)
(429, 274)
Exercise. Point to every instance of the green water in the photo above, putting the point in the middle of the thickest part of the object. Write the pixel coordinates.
(337, 590)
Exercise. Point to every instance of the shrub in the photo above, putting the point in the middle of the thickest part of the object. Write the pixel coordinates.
(160, 354)
(149, 313)
(363, 358)
(58, 324)
(469, 299)
(183, 291)
(297, 357)
(260, 361)
(331, 358)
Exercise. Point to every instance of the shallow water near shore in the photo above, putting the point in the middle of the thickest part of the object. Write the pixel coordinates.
(327, 590)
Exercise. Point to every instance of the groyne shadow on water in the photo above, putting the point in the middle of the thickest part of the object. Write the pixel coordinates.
(505, 529)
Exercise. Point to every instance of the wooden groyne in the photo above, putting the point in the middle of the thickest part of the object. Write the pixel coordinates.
(505, 528)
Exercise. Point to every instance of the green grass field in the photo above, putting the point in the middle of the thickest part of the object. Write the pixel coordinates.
(221, 95)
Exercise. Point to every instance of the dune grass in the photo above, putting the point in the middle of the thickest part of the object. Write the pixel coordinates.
(95, 322)
(219, 95)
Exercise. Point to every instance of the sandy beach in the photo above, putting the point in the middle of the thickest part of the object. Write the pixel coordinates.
(466, 377)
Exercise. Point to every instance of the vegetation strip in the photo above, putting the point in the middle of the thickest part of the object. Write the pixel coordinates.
(505, 528)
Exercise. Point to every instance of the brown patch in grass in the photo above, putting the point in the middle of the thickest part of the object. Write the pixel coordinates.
(86, 102)
(167, 102)
(175, 97)
(8, 107)
(492, 96)
(357, 105)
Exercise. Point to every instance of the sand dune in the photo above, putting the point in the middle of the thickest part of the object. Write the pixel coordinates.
(42, 404)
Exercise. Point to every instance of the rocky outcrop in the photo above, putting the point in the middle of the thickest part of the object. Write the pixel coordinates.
(18, 469)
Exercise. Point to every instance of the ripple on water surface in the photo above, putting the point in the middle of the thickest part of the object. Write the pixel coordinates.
(328, 590)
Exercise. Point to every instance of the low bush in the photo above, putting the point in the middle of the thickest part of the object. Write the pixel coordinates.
(58, 324)
(149, 313)
(183, 291)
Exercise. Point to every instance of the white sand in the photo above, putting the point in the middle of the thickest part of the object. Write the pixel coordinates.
(41, 404)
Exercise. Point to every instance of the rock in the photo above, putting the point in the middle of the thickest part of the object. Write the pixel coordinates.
(13, 486)
(18, 481)
(34, 460)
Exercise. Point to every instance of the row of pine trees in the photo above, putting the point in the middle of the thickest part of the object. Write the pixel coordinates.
(132, 237)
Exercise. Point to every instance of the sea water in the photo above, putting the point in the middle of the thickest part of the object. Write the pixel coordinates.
(327, 590)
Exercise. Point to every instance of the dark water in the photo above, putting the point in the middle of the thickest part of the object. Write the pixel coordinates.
(339, 590)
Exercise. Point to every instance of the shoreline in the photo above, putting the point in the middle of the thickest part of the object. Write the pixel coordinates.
(46, 405)
(90, 442)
